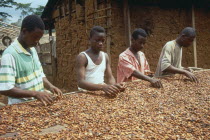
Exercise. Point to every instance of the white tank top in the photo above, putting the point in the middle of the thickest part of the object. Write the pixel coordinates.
(95, 73)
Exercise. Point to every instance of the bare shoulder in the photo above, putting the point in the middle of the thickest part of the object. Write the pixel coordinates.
(106, 55)
(81, 59)
(81, 56)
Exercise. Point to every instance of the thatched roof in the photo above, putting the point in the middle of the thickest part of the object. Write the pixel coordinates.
(47, 13)
(8, 30)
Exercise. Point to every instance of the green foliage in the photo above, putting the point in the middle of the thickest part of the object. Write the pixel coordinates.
(6, 4)
(25, 9)
(38, 11)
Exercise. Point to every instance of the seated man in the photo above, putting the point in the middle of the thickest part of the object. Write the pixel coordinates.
(171, 55)
(93, 64)
(21, 73)
(132, 63)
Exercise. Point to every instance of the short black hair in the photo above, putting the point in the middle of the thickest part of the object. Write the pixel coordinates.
(31, 22)
(138, 32)
(96, 29)
(188, 31)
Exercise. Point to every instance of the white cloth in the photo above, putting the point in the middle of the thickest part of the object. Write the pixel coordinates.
(16, 100)
(95, 73)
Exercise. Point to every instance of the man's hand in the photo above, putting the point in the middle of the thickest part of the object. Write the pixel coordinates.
(44, 97)
(52, 88)
(156, 83)
(188, 69)
(149, 73)
(121, 86)
(191, 76)
(57, 91)
(110, 90)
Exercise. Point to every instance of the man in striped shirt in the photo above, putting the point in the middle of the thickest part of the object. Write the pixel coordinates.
(132, 64)
(21, 73)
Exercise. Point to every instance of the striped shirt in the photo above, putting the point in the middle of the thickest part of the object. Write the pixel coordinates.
(128, 63)
(20, 69)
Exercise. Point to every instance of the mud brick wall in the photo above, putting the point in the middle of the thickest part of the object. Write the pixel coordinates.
(71, 39)
(203, 37)
(162, 25)
(118, 44)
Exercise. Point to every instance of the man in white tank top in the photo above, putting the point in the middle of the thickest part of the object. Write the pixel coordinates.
(93, 64)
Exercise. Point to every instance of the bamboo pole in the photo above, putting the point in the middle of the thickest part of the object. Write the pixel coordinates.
(99, 11)
(194, 42)
(98, 18)
(70, 8)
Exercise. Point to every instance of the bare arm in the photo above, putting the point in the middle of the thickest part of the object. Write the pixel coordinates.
(172, 69)
(139, 75)
(156, 83)
(51, 87)
(47, 83)
(19, 93)
(81, 63)
(110, 77)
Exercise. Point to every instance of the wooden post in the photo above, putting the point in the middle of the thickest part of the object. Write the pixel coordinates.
(70, 9)
(86, 26)
(126, 12)
(53, 58)
(95, 12)
(50, 30)
(194, 42)
(108, 41)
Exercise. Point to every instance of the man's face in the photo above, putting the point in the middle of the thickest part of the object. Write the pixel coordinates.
(32, 38)
(139, 43)
(97, 41)
(187, 41)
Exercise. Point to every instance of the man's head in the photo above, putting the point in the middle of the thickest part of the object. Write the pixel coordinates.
(32, 30)
(97, 38)
(187, 36)
(138, 39)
